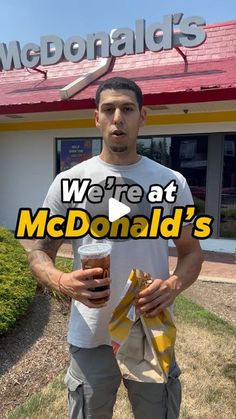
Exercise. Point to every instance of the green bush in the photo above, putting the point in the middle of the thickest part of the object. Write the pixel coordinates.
(17, 286)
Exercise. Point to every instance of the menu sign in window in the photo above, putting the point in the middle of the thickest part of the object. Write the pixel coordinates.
(74, 152)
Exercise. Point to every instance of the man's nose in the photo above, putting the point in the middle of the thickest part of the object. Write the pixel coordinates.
(117, 117)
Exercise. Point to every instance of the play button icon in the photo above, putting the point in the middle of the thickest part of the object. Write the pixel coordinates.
(115, 205)
(116, 209)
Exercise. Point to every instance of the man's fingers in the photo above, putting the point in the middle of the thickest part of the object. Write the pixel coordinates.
(156, 311)
(155, 286)
(162, 300)
(147, 291)
(158, 299)
(87, 273)
(153, 313)
(146, 300)
(82, 285)
(155, 293)
(94, 295)
(96, 282)
(147, 307)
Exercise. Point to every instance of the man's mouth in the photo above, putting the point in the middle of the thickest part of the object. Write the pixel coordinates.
(118, 133)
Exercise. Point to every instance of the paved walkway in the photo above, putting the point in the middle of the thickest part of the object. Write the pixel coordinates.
(217, 267)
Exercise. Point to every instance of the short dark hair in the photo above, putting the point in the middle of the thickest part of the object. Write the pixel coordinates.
(117, 83)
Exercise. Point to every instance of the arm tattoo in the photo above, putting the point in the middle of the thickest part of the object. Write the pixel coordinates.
(41, 260)
(38, 256)
(48, 246)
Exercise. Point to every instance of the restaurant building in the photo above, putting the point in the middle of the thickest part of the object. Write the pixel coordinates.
(47, 125)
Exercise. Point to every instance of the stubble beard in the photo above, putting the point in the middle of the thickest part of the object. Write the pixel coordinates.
(118, 148)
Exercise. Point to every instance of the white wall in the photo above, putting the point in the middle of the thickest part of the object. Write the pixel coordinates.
(27, 168)
(26, 171)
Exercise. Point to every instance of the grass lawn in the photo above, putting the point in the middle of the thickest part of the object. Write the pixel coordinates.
(205, 350)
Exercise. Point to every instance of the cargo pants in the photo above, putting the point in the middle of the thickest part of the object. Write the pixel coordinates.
(93, 379)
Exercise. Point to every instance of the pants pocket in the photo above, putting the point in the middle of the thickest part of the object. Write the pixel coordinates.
(100, 398)
(86, 401)
(75, 397)
(148, 400)
(173, 394)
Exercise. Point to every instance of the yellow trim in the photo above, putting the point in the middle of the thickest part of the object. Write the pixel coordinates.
(46, 125)
(190, 118)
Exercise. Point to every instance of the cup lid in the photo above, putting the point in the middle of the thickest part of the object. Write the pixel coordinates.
(95, 250)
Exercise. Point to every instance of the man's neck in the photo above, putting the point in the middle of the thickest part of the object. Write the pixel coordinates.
(120, 159)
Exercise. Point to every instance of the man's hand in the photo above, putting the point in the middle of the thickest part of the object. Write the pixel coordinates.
(155, 298)
(161, 294)
(79, 285)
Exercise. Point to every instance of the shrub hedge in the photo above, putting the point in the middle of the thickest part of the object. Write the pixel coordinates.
(17, 286)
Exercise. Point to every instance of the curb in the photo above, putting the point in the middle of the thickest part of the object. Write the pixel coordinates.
(214, 279)
(217, 279)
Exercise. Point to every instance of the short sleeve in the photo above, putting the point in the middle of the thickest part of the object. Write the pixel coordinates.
(53, 199)
(184, 196)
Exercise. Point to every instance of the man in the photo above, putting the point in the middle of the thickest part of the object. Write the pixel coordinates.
(93, 376)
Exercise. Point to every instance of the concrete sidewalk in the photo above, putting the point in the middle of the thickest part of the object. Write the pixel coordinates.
(217, 267)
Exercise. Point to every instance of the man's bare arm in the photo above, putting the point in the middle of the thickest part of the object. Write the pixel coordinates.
(41, 261)
(190, 259)
(75, 284)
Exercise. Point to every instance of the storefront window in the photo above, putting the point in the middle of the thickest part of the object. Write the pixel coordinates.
(185, 154)
(228, 197)
(156, 148)
(71, 151)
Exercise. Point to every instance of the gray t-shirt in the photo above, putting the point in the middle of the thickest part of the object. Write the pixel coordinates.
(89, 327)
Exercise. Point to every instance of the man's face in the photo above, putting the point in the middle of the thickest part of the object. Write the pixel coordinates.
(118, 117)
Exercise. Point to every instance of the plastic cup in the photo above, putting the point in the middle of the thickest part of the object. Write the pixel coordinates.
(96, 255)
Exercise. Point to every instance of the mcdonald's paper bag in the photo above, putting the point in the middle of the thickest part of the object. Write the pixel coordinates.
(144, 346)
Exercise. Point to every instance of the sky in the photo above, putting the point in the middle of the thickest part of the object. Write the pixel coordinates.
(28, 20)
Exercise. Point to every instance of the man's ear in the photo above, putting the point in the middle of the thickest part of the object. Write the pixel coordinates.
(143, 115)
(96, 118)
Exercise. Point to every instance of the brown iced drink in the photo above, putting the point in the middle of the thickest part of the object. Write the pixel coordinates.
(97, 255)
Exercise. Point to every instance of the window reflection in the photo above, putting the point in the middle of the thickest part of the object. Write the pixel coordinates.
(185, 154)
(228, 196)
(156, 148)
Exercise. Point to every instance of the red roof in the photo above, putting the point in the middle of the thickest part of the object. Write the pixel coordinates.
(209, 74)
